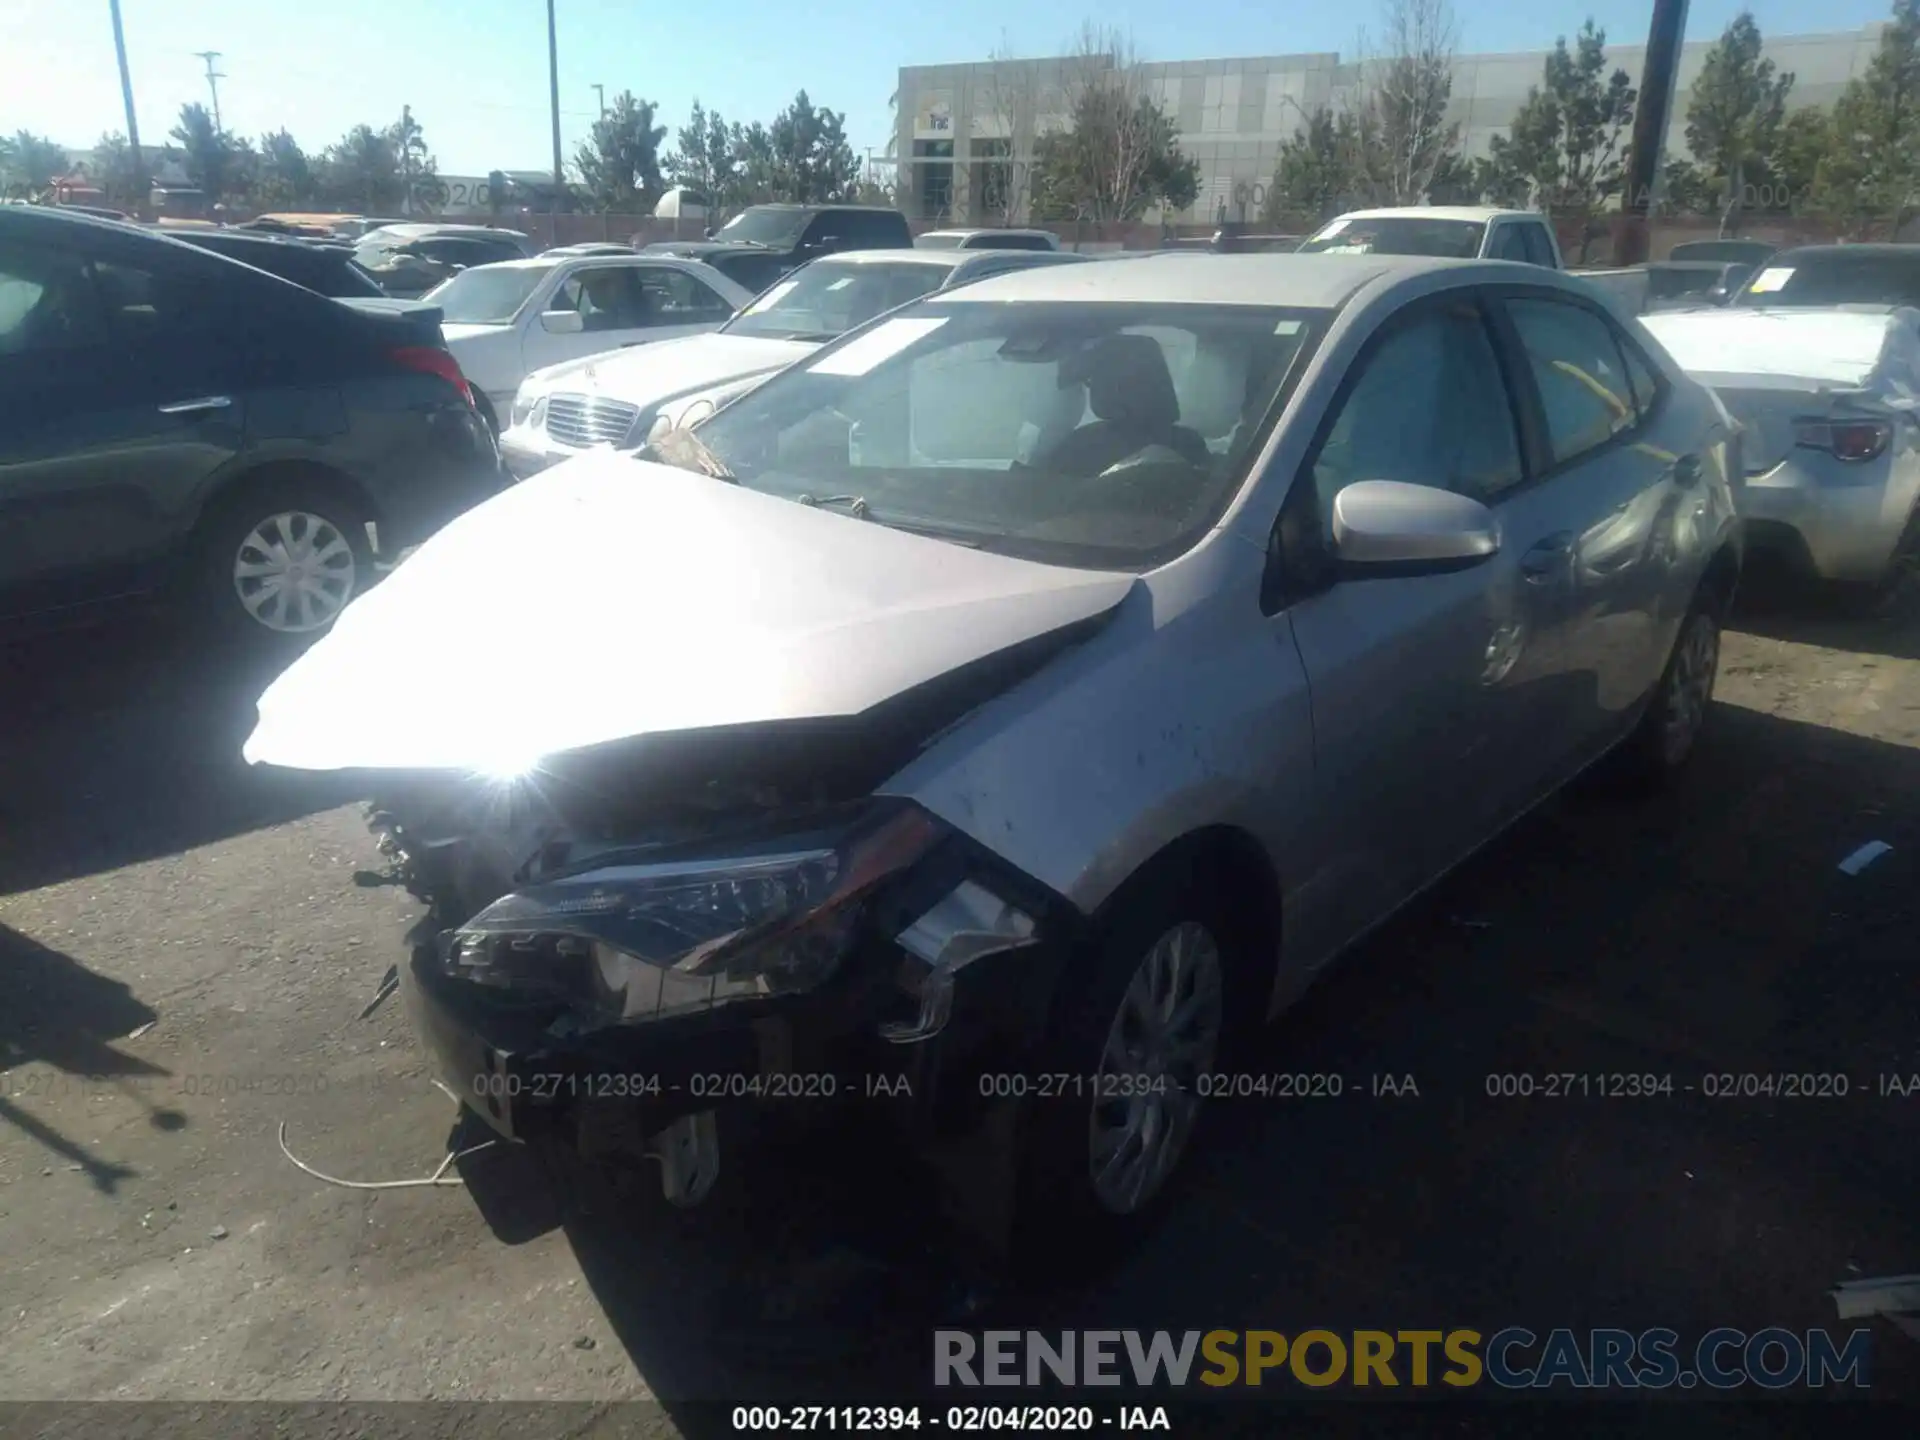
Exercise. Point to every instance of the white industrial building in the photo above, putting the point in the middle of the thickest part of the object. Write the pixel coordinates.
(959, 124)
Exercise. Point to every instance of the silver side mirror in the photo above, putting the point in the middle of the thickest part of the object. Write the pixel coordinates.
(1387, 526)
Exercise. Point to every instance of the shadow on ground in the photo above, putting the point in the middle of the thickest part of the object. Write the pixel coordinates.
(61, 1015)
(1777, 606)
(119, 745)
(1691, 940)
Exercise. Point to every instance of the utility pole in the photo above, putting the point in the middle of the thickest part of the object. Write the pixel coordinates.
(1658, 81)
(214, 78)
(406, 157)
(553, 83)
(140, 177)
(601, 92)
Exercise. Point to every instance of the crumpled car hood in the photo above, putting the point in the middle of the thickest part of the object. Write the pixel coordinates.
(609, 598)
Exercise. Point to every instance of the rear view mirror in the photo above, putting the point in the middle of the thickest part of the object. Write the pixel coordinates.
(562, 322)
(1383, 527)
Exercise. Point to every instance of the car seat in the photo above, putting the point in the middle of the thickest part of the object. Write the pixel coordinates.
(1131, 394)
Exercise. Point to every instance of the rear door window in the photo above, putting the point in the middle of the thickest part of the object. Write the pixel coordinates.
(1579, 372)
(673, 297)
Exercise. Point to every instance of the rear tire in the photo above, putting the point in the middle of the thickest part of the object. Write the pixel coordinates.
(1669, 732)
(281, 558)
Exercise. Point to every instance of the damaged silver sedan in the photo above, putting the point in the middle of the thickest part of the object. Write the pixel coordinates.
(1020, 699)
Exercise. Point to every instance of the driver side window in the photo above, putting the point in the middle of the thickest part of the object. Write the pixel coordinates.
(1428, 407)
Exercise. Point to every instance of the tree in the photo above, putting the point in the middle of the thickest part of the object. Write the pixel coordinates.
(1872, 171)
(1566, 148)
(1801, 147)
(704, 160)
(620, 161)
(1322, 169)
(420, 187)
(755, 170)
(1119, 155)
(1010, 106)
(284, 177)
(362, 170)
(812, 163)
(1412, 84)
(209, 154)
(1734, 113)
(117, 171)
(29, 164)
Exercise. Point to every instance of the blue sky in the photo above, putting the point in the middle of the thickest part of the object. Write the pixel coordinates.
(475, 71)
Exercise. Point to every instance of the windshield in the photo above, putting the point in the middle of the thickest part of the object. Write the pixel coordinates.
(764, 225)
(1398, 235)
(378, 251)
(1834, 279)
(823, 302)
(491, 295)
(1107, 436)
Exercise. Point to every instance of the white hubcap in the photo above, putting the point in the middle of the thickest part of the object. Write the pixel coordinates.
(1163, 1038)
(294, 572)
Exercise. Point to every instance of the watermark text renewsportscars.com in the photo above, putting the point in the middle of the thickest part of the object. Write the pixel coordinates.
(1512, 1358)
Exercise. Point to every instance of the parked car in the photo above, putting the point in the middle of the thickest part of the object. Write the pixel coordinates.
(1693, 284)
(502, 321)
(987, 240)
(409, 260)
(1461, 232)
(1043, 681)
(325, 270)
(619, 399)
(1828, 439)
(1753, 253)
(764, 242)
(1827, 275)
(591, 247)
(170, 420)
(1472, 232)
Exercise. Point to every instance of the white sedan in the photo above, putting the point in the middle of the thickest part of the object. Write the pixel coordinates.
(505, 320)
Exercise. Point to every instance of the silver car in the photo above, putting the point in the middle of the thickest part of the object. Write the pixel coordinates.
(1829, 441)
(1016, 700)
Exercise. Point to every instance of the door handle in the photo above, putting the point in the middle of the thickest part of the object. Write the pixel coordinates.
(195, 407)
(1686, 471)
(1547, 558)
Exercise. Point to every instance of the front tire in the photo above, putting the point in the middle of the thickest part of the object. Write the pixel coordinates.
(1669, 732)
(1156, 1003)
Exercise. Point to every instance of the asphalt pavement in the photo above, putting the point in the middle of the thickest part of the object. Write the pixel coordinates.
(188, 947)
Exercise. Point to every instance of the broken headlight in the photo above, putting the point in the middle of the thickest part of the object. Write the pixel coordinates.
(646, 939)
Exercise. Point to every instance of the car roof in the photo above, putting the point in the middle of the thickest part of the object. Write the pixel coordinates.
(416, 230)
(1864, 252)
(964, 230)
(902, 256)
(1473, 214)
(1314, 282)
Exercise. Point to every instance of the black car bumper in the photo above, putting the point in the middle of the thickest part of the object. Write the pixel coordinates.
(455, 470)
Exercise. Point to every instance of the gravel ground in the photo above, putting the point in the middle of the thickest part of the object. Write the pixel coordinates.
(187, 952)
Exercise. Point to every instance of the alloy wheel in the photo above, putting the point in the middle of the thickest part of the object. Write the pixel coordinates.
(295, 572)
(1690, 687)
(1163, 1038)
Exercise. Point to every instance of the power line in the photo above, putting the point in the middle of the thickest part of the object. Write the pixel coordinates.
(214, 77)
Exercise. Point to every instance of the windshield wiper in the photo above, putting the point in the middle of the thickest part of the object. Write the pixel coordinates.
(856, 504)
(683, 450)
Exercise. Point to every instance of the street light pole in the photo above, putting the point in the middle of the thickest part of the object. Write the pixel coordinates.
(600, 91)
(126, 97)
(553, 79)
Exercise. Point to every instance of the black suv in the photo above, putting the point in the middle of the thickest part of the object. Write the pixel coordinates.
(323, 269)
(170, 418)
(764, 242)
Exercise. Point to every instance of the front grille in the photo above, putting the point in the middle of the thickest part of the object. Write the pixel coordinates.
(582, 421)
